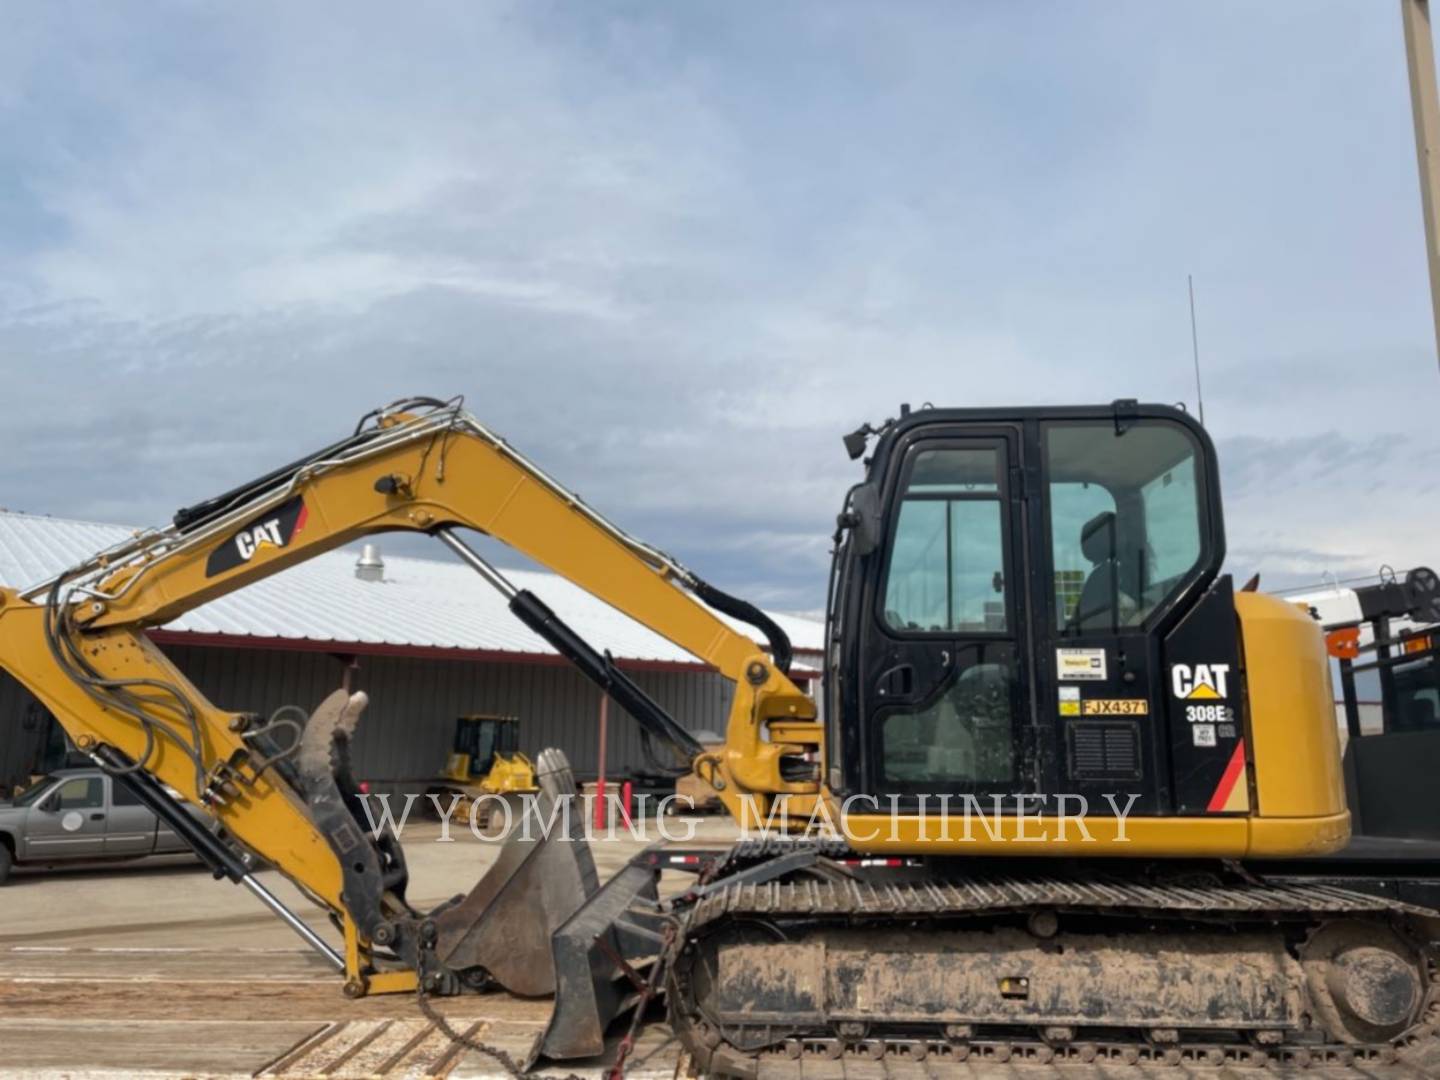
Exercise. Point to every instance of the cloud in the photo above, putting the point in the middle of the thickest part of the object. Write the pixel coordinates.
(673, 253)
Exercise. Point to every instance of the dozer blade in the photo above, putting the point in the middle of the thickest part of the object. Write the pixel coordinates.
(601, 953)
(544, 874)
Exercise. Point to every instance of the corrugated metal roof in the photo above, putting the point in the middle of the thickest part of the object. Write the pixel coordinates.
(421, 603)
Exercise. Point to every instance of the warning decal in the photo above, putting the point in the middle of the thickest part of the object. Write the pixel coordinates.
(1232, 794)
(1086, 665)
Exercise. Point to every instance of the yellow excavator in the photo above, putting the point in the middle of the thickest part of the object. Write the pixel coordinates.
(1061, 807)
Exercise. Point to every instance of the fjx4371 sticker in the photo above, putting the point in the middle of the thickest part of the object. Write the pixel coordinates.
(1115, 707)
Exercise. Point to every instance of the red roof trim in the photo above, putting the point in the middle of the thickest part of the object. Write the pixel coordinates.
(412, 652)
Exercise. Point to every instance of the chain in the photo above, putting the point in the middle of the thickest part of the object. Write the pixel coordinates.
(512, 1067)
(648, 992)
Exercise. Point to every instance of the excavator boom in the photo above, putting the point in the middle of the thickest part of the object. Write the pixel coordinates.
(78, 643)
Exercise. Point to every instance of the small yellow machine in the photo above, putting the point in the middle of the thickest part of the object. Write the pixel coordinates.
(485, 759)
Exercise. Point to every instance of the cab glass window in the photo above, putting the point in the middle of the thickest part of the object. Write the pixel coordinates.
(966, 739)
(1417, 698)
(946, 564)
(82, 793)
(1127, 521)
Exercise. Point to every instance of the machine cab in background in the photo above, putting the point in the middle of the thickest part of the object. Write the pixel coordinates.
(1031, 603)
(480, 740)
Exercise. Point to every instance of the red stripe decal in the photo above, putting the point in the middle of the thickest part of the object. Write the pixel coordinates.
(300, 518)
(1233, 772)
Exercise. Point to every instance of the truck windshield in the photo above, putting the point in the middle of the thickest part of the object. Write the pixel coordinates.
(32, 795)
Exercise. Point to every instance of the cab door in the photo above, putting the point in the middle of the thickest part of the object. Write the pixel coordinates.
(1131, 546)
(944, 670)
(69, 822)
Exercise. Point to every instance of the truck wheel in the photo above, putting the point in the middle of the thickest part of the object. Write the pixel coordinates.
(6, 861)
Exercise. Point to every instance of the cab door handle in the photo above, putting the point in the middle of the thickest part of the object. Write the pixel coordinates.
(97, 816)
(899, 681)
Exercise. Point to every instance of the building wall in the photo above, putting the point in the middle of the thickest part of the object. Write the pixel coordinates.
(23, 725)
(409, 724)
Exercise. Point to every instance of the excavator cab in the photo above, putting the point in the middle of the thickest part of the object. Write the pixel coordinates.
(1029, 625)
(1030, 605)
(1034, 605)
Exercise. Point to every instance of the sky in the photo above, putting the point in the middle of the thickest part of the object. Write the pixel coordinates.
(674, 251)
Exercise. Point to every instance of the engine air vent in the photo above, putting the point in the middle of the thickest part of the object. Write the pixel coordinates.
(1104, 750)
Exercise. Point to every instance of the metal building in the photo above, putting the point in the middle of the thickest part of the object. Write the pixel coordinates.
(425, 639)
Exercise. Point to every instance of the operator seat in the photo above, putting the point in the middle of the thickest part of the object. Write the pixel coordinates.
(1100, 594)
(1419, 715)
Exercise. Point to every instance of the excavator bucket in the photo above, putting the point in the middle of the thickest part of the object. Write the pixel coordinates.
(501, 932)
(536, 924)
(601, 953)
(543, 874)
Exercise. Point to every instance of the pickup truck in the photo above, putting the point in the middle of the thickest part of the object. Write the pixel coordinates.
(81, 815)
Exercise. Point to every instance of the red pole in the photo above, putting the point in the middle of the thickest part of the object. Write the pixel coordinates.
(600, 777)
(626, 789)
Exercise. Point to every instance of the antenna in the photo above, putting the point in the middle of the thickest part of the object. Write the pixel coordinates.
(1195, 347)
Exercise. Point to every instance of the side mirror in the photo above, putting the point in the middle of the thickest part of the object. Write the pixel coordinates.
(862, 518)
(51, 803)
(855, 442)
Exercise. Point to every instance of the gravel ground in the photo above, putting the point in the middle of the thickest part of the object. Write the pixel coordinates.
(155, 968)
